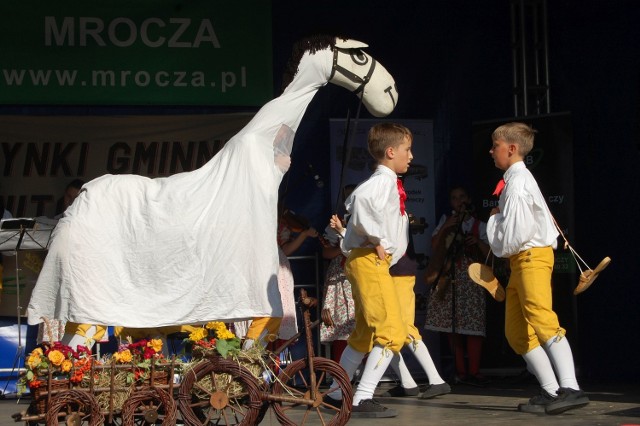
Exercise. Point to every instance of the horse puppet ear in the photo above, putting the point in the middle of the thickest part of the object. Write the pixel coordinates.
(347, 43)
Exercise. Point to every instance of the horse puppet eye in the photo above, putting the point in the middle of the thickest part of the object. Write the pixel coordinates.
(359, 57)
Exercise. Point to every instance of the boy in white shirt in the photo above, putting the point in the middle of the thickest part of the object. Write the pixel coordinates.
(521, 229)
(376, 237)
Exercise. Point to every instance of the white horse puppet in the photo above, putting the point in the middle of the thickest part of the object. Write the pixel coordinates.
(201, 245)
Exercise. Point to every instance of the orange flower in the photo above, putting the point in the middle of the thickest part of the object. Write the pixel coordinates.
(35, 384)
(66, 365)
(156, 344)
(56, 357)
(124, 356)
(34, 360)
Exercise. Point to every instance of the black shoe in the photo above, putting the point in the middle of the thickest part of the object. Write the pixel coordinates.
(477, 381)
(538, 403)
(399, 391)
(368, 408)
(567, 399)
(436, 390)
(337, 403)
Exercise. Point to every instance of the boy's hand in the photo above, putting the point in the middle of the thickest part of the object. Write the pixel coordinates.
(382, 255)
(494, 210)
(335, 223)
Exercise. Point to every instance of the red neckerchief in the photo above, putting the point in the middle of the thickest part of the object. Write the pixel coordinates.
(403, 196)
(499, 187)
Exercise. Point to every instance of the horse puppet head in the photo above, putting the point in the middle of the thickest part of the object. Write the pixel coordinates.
(357, 71)
(348, 66)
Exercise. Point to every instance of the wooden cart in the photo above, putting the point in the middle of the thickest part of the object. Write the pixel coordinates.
(213, 391)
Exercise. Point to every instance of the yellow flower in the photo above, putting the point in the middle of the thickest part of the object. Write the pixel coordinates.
(125, 356)
(34, 360)
(66, 365)
(198, 334)
(56, 357)
(156, 344)
(220, 330)
(213, 325)
(225, 334)
(37, 351)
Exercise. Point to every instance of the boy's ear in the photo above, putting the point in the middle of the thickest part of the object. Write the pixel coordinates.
(390, 152)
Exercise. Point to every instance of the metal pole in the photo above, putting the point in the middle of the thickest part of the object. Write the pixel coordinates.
(514, 59)
(545, 39)
(523, 59)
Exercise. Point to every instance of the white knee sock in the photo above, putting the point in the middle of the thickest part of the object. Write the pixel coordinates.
(561, 357)
(350, 360)
(539, 365)
(375, 367)
(401, 370)
(421, 352)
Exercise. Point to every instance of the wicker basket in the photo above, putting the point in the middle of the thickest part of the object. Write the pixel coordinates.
(41, 398)
(160, 377)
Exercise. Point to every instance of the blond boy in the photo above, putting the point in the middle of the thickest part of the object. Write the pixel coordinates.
(521, 229)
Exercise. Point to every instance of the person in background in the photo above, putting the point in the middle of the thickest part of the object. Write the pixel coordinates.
(404, 276)
(71, 192)
(522, 229)
(466, 325)
(338, 301)
(291, 235)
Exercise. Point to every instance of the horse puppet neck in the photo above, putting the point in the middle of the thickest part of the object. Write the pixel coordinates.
(287, 109)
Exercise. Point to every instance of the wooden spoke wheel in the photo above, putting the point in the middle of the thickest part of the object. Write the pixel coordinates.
(295, 381)
(220, 392)
(149, 406)
(74, 408)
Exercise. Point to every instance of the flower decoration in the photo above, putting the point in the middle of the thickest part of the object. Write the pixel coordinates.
(141, 354)
(60, 360)
(139, 351)
(213, 337)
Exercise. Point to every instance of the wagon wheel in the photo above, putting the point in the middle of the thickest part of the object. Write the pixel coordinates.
(75, 408)
(149, 406)
(221, 392)
(294, 381)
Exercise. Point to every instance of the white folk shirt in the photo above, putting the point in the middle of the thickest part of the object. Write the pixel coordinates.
(375, 218)
(524, 220)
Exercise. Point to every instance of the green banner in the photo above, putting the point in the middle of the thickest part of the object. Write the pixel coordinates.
(142, 52)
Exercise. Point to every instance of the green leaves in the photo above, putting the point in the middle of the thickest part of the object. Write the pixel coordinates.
(224, 347)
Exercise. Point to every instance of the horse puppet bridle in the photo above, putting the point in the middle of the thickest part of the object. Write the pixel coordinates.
(349, 74)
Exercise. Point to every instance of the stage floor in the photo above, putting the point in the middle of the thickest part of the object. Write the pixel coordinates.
(495, 404)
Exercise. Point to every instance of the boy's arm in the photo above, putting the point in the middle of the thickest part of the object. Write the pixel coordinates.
(368, 215)
(510, 229)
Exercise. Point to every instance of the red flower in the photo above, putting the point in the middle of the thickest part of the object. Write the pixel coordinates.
(148, 353)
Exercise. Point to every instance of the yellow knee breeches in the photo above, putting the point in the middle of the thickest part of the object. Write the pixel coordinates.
(529, 318)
